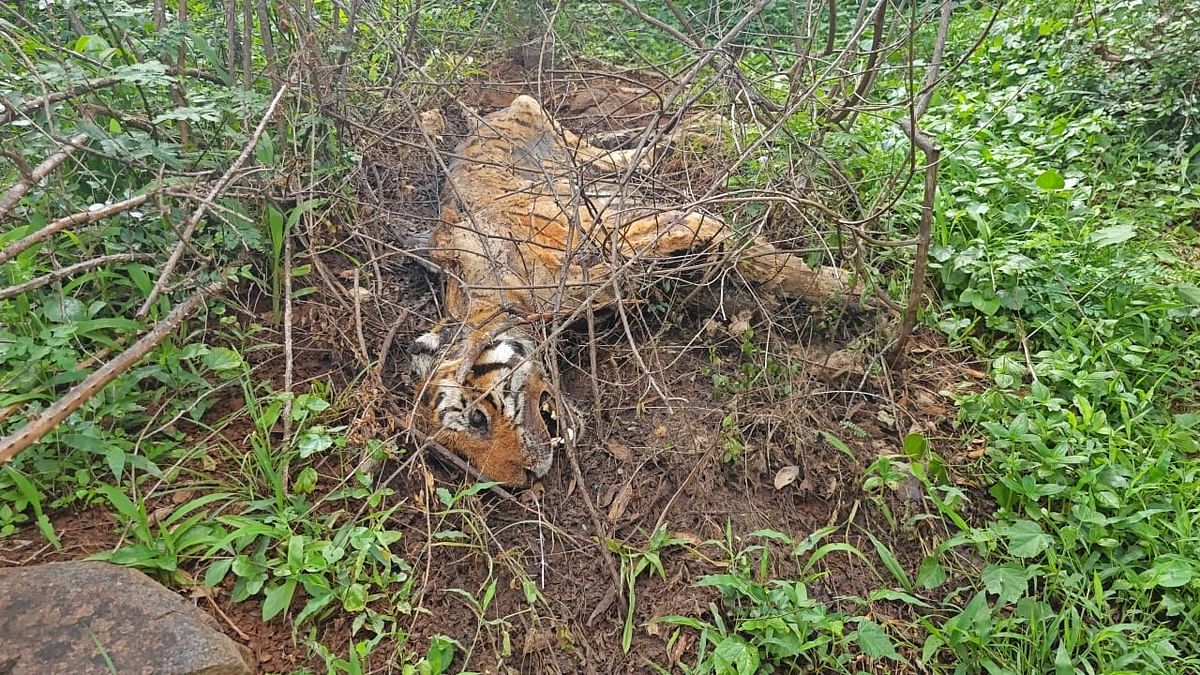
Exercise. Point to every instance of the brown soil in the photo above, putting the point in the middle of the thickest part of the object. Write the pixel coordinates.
(646, 462)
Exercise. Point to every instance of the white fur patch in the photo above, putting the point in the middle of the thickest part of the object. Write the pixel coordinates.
(499, 353)
(424, 353)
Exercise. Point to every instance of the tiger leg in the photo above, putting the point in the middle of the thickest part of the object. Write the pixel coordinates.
(761, 262)
(786, 274)
(665, 234)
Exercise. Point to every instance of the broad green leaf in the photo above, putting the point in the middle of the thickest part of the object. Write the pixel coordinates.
(1188, 293)
(1026, 539)
(278, 599)
(1112, 235)
(440, 654)
(930, 574)
(735, 655)
(915, 445)
(1008, 583)
(1169, 573)
(221, 358)
(1051, 179)
(313, 441)
(355, 598)
(875, 643)
(216, 572)
(144, 73)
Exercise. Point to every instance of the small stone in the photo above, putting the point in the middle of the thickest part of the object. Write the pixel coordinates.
(80, 617)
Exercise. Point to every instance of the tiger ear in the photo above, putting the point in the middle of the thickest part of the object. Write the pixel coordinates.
(424, 352)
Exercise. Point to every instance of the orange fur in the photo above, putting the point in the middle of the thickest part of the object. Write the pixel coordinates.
(531, 227)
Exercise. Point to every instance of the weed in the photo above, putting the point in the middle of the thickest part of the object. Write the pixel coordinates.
(772, 625)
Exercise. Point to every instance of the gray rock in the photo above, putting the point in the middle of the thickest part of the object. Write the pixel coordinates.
(93, 617)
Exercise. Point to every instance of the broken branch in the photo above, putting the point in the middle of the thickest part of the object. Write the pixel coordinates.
(81, 218)
(18, 189)
(41, 425)
(11, 113)
(56, 275)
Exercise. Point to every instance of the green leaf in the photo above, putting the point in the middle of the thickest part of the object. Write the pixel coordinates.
(985, 301)
(915, 445)
(1026, 539)
(838, 444)
(306, 482)
(216, 572)
(34, 497)
(221, 358)
(440, 654)
(1188, 293)
(930, 574)
(144, 73)
(874, 642)
(735, 655)
(115, 457)
(1051, 179)
(313, 441)
(889, 561)
(1169, 573)
(355, 598)
(1008, 583)
(1113, 235)
(278, 599)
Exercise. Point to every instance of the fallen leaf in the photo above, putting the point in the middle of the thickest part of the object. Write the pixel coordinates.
(620, 503)
(601, 607)
(681, 647)
(712, 327)
(619, 450)
(786, 476)
(433, 123)
(536, 641)
(740, 323)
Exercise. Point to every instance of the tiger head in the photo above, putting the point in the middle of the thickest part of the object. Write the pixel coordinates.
(503, 416)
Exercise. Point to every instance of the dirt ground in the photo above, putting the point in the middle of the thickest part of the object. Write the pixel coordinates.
(662, 447)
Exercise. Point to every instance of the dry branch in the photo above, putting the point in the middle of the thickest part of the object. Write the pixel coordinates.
(81, 218)
(932, 153)
(38, 427)
(916, 289)
(20, 110)
(18, 189)
(220, 186)
(56, 275)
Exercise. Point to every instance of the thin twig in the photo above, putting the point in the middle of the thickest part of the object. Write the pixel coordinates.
(597, 522)
(288, 349)
(220, 186)
(38, 427)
